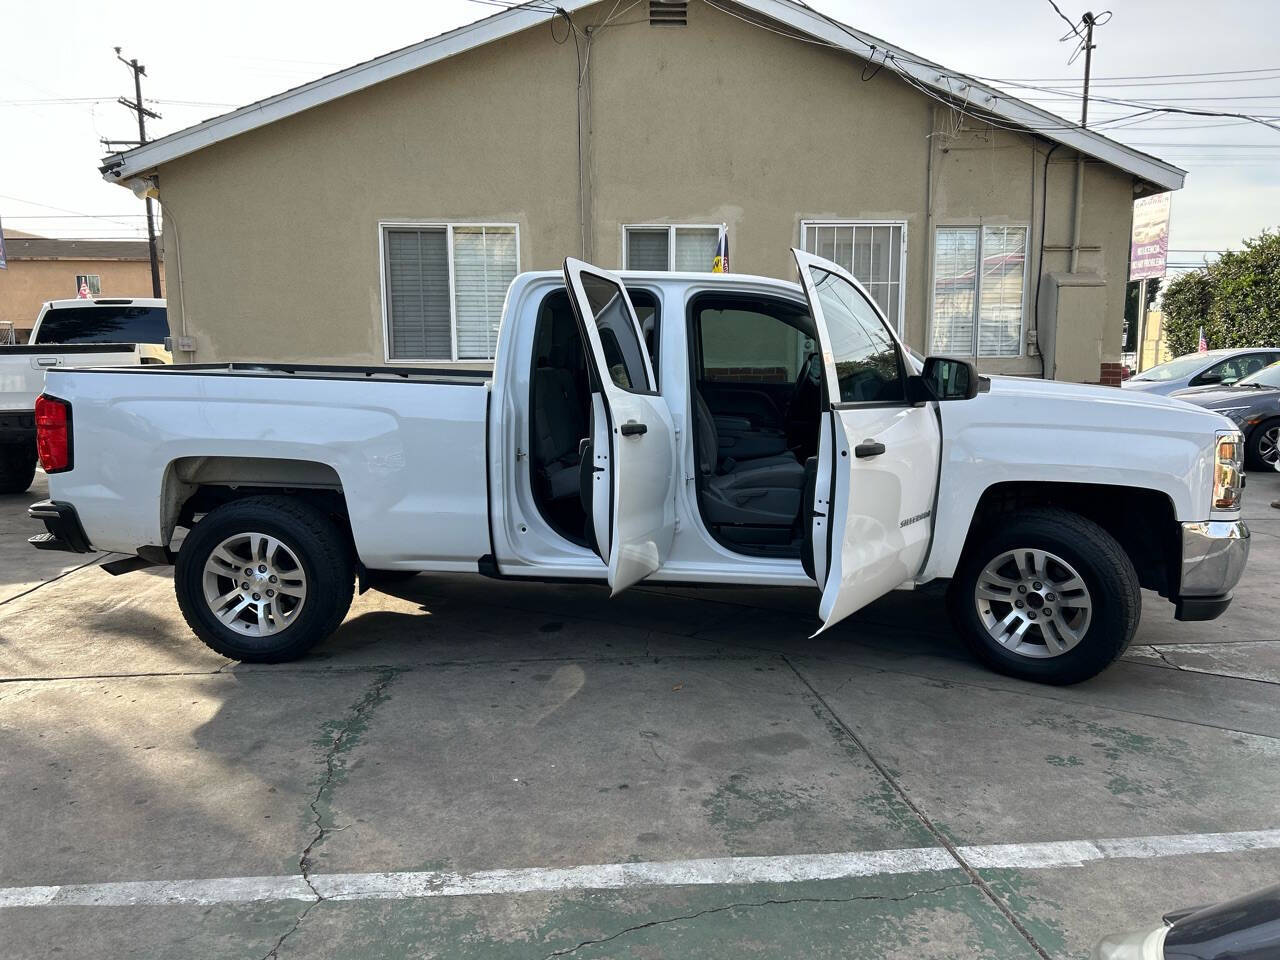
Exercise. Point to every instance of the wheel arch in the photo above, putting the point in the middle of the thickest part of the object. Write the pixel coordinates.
(1143, 521)
(196, 485)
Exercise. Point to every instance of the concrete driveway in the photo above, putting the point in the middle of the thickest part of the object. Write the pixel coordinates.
(481, 769)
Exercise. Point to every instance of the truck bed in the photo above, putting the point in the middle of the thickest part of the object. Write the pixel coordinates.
(458, 376)
(404, 446)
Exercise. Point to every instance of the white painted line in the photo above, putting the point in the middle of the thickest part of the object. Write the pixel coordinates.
(614, 876)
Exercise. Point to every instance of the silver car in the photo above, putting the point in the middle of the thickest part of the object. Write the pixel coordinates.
(1217, 367)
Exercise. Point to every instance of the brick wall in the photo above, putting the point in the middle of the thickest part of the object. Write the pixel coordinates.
(1109, 375)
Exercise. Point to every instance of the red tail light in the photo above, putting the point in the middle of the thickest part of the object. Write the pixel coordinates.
(53, 433)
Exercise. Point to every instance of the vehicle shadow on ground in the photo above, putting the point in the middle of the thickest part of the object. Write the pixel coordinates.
(454, 618)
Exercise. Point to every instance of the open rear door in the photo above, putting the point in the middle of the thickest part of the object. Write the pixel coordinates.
(630, 486)
(878, 453)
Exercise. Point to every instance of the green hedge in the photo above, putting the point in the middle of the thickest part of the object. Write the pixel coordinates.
(1236, 299)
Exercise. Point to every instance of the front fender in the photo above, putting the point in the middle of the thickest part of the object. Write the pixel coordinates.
(1036, 431)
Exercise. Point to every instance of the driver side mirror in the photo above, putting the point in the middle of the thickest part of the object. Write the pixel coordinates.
(1207, 378)
(944, 378)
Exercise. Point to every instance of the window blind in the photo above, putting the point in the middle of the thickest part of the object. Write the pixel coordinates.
(418, 294)
(955, 290)
(695, 248)
(1004, 256)
(647, 249)
(484, 264)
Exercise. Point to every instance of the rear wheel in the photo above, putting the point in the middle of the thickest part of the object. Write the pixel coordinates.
(1050, 597)
(17, 466)
(264, 579)
(1263, 448)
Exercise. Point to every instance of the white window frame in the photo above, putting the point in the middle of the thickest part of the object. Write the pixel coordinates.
(91, 280)
(899, 322)
(448, 226)
(671, 229)
(979, 226)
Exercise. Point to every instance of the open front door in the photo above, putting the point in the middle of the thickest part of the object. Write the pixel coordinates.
(630, 484)
(878, 453)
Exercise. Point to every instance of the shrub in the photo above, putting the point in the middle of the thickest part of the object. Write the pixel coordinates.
(1236, 299)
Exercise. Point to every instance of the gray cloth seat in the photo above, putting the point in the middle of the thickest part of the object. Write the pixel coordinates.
(763, 491)
(560, 417)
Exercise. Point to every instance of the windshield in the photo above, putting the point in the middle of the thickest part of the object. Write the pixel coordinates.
(1266, 377)
(103, 323)
(1175, 369)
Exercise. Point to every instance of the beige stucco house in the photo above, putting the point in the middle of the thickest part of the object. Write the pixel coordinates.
(376, 215)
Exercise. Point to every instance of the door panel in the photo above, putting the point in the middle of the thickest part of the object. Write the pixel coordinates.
(633, 447)
(882, 512)
(878, 454)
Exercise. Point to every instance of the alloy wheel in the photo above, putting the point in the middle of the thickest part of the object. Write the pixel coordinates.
(1033, 603)
(254, 584)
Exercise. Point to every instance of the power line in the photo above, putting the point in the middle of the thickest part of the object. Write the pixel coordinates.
(1142, 76)
(1075, 28)
(49, 206)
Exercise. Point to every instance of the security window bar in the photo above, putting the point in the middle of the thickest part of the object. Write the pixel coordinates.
(689, 248)
(979, 291)
(875, 252)
(443, 288)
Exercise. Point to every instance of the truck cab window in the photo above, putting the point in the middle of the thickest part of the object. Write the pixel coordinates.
(104, 323)
(868, 366)
(624, 355)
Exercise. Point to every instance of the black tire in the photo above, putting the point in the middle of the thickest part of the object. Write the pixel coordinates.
(1253, 455)
(1099, 560)
(17, 466)
(322, 550)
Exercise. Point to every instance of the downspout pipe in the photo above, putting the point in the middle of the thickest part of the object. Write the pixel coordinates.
(1077, 218)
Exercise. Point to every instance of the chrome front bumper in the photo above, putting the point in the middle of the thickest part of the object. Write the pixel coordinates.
(1213, 558)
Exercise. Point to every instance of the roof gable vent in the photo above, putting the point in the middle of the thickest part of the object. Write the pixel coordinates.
(672, 13)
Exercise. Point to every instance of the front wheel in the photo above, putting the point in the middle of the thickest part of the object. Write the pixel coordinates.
(262, 580)
(1050, 596)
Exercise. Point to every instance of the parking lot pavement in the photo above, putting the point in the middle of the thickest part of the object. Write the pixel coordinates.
(473, 768)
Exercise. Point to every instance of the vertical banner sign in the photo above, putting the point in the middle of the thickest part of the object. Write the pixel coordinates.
(1149, 247)
(2, 263)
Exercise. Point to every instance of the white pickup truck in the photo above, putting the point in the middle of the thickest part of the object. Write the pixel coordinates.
(102, 332)
(684, 428)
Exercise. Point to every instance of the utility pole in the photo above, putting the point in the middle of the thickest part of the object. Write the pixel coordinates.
(1088, 21)
(139, 71)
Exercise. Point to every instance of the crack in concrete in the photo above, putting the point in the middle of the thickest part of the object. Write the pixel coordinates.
(749, 905)
(344, 737)
(65, 573)
(920, 815)
(1160, 653)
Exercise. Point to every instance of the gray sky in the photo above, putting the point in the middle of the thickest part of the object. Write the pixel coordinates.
(200, 64)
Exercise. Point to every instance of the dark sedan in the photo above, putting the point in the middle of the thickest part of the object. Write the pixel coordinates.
(1252, 403)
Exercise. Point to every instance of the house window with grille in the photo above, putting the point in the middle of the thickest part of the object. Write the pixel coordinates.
(873, 251)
